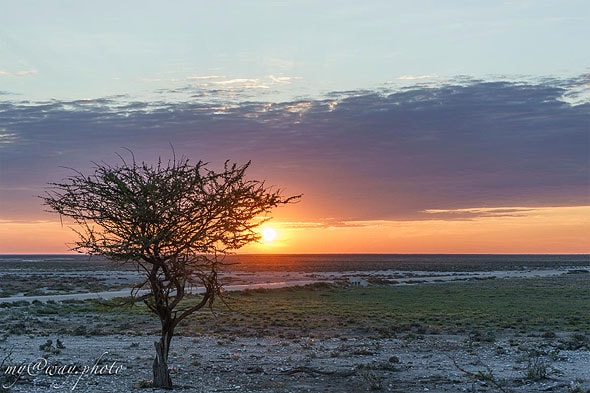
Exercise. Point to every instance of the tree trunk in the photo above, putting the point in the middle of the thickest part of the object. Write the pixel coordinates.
(160, 368)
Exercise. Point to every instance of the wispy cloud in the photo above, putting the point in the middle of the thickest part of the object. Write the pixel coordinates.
(416, 77)
(329, 223)
(578, 92)
(18, 73)
(205, 77)
(222, 89)
(26, 72)
(280, 79)
(6, 137)
(237, 81)
(471, 213)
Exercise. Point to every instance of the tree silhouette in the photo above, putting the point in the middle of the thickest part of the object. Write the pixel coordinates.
(172, 221)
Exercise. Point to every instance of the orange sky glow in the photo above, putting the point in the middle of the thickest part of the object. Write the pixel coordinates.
(530, 230)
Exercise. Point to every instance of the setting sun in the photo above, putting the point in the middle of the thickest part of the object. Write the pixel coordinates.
(268, 235)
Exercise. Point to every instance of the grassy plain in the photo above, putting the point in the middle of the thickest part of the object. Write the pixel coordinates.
(481, 307)
(502, 334)
(525, 305)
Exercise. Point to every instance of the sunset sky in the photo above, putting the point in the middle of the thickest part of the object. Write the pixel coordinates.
(410, 127)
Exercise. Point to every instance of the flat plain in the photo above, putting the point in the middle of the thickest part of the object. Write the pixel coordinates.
(408, 330)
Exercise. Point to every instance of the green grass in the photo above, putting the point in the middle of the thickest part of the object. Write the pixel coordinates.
(532, 305)
(526, 305)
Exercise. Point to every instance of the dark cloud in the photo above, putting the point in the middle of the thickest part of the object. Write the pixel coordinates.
(357, 155)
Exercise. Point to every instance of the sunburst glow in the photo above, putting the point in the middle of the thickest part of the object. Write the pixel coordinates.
(268, 235)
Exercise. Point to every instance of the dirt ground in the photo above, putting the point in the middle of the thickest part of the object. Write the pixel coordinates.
(509, 361)
(119, 363)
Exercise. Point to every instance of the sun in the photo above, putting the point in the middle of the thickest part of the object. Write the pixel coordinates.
(268, 234)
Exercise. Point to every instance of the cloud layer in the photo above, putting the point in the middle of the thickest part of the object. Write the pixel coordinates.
(411, 153)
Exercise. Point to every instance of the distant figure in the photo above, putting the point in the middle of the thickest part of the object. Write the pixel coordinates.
(358, 282)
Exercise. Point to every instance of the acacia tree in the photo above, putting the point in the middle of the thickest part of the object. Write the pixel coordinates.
(172, 221)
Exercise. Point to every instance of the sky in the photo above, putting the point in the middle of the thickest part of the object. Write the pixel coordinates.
(409, 127)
